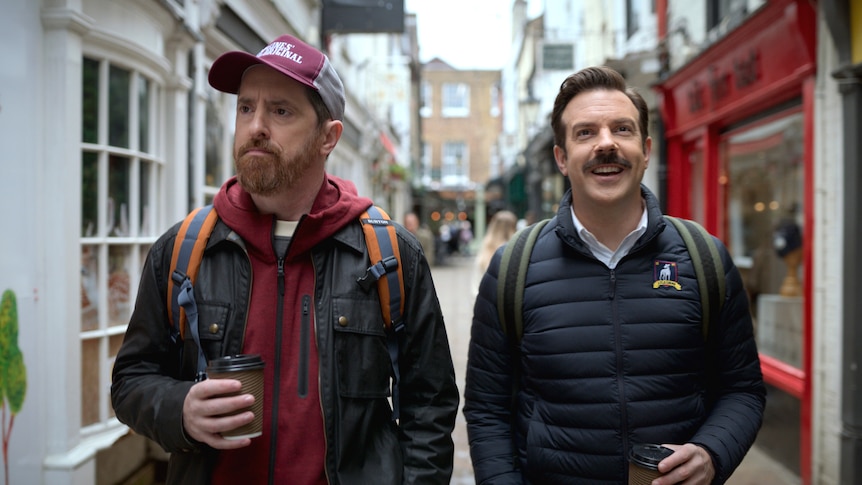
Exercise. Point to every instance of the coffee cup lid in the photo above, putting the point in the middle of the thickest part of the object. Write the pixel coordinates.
(236, 362)
(648, 455)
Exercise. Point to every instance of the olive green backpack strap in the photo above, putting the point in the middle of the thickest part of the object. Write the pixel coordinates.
(510, 303)
(707, 268)
(511, 279)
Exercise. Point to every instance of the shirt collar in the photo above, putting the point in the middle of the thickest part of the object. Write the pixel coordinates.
(600, 251)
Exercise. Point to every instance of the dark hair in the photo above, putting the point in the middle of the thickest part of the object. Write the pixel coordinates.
(320, 108)
(590, 79)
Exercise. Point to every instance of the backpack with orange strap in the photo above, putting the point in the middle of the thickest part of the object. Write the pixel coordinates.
(385, 271)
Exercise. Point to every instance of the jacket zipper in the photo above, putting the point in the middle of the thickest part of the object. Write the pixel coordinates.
(313, 326)
(279, 320)
(304, 344)
(618, 340)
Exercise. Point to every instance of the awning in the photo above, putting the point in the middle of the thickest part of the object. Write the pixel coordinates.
(388, 145)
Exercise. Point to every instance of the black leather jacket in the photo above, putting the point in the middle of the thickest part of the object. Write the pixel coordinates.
(362, 444)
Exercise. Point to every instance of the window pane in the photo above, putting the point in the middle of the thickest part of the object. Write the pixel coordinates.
(144, 114)
(90, 101)
(213, 175)
(145, 205)
(114, 342)
(144, 250)
(118, 106)
(765, 197)
(90, 388)
(119, 285)
(425, 109)
(118, 196)
(89, 194)
(89, 287)
(456, 99)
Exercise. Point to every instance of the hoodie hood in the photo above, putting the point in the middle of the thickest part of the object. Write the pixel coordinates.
(336, 204)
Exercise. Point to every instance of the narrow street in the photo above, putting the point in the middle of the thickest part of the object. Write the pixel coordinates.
(454, 282)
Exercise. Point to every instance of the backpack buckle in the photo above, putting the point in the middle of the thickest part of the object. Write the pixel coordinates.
(376, 271)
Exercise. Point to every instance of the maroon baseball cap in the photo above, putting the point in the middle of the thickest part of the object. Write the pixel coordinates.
(291, 57)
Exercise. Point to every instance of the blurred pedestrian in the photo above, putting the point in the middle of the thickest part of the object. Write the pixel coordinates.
(500, 228)
(423, 234)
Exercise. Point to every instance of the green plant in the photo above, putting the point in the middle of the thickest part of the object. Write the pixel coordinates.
(13, 372)
(398, 172)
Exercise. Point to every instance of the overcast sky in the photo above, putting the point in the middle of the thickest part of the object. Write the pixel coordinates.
(467, 34)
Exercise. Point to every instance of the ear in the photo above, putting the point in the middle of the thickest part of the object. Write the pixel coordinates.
(647, 151)
(560, 157)
(331, 134)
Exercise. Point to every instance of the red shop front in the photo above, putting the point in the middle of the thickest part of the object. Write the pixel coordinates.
(739, 149)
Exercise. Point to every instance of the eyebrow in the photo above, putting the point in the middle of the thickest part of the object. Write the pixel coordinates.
(269, 103)
(616, 122)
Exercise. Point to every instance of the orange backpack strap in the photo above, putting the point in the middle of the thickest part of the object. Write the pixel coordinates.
(382, 243)
(188, 251)
(385, 269)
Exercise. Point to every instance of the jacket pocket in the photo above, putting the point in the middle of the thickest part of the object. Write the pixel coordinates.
(361, 356)
(212, 326)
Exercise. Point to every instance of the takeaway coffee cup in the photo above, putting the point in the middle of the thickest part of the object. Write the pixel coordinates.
(643, 463)
(247, 369)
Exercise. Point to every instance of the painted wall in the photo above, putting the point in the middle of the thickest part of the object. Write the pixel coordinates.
(24, 258)
(828, 239)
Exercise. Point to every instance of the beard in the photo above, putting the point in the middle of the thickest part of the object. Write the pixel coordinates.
(275, 172)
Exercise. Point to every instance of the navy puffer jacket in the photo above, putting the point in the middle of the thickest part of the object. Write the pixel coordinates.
(609, 360)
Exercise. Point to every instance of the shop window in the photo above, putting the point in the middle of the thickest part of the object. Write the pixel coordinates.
(118, 217)
(764, 165)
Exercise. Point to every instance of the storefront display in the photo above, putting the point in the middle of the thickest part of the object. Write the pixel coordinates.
(739, 150)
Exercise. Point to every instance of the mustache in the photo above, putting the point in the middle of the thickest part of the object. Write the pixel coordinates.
(607, 159)
(256, 145)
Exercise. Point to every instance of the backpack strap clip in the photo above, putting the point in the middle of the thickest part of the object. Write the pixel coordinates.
(385, 271)
(377, 271)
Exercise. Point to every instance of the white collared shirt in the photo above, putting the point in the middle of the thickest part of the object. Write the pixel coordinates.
(600, 251)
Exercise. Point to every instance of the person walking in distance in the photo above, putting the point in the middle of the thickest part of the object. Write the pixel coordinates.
(608, 359)
(423, 234)
(501, 227)
(278, 279)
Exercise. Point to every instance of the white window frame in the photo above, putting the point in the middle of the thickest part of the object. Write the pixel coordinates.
(426, 110)
(138, 234)
(454, 170)
(456, 100)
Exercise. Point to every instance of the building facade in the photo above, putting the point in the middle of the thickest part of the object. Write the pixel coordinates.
(760, 101)
(461, 116)
(740, 148)
(564, 38)
(125, 137)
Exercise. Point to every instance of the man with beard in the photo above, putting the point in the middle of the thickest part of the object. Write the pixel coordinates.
(278, 278)
(609, 359)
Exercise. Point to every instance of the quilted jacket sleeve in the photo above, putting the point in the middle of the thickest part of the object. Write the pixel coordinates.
(488, 391)
(737, 382)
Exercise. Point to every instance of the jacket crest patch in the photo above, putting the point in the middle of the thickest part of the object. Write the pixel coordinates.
(665, 274)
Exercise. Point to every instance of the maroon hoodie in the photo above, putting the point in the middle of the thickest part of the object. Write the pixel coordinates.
(299, 452)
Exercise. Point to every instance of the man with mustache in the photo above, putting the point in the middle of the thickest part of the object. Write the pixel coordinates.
(279, 279)
(611, 356)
